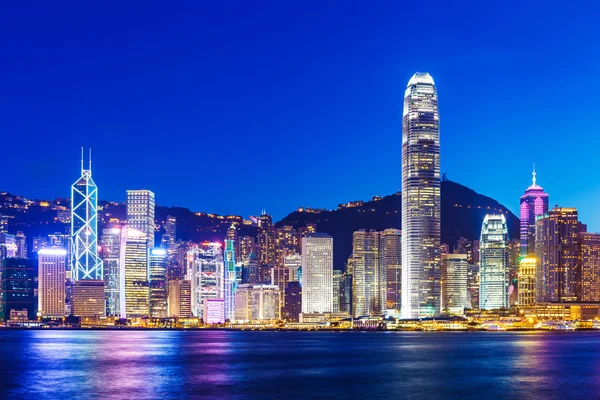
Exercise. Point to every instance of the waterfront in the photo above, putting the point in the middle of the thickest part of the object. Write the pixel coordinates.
(236, 365)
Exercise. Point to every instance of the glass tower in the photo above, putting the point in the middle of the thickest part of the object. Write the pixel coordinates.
(232, 277)
(493, 263)
(85, 263)
(420, 199)
(534, 203)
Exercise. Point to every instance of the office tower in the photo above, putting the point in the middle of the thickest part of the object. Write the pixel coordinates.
(286, 243)
(493, 263)
(368, 275)
(8, 246)
(454, 283)
(205, 262)
(232, 278)
(180, 299)
(171, 230)
(589, 265)
(110, 253)
(21, 245)
(158, 283)
(317, 273)
(534, 203)
(257, 302)
(266, 240)
(88, 298)
(250, 271)
(280, 276)
(337, 282)
(133, 278)
(17, 289)
(52, 266)
(420, 199)
(140, 213)
(293, 262)
(346, 293)
(473, 285)
(391, 263)
(247, 247)
(556, 248)
(85, 262)
(233, 235)
(526, 282)
(292, 302)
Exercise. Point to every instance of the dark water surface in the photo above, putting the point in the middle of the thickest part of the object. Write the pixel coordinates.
(280, 365)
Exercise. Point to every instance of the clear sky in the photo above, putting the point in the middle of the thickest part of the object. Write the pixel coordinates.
(232, 107)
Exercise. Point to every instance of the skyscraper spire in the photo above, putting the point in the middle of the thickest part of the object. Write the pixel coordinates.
(82, 159)
(533, 174)
(90, 161)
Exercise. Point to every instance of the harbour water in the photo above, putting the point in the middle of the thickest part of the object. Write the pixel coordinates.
(298, 365)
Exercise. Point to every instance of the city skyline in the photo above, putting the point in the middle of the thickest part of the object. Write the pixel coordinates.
(352, 99)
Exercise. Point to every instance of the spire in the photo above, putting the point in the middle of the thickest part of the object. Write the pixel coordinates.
(82, 160)
(90, 160)
(533, 174)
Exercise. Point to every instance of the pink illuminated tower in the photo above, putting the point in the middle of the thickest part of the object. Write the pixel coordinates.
(533, 204)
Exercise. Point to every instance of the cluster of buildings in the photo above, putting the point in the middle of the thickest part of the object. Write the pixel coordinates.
(286, 274)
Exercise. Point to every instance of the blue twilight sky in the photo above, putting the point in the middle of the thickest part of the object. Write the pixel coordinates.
(232, 107)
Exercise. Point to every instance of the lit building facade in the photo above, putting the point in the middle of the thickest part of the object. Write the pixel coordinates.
(257, 302)
(526, 281)
(421, 202)
(232, 278)
(589, 265)
(52, 267)
(206, 271)
(391, 263)
(88, 298)
(293, 302)
(454, 283)
(369, 277)
(133, 279)
(534, 203)
(180, 299)
(110, 244)
(158, 283)
(250, 270)
(21, 242)
(141, 206)
(493, 263)
(558, 275)
(317, 273)
(17, 287)
(246, 247)
(293, 263)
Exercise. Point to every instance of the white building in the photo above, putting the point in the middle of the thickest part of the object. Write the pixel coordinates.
(454, 283)
(493, 263)
(317, 273)
(206, 272)
(257, 302)
(133, 277)
(140, 213)
(52, 265)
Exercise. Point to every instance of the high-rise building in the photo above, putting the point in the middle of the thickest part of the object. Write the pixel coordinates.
(266, 241)
(421, 202)
(140, 213)
(180, 299)
(534, 203)
(369, 278)
(293, 302)
(589, 265)
(526, 282)
(247, 246)
(110, 252)
(205, 262)
(287, 242)
(337, 282)
(8, 246)
(85, 262)
(250, 270)
(346, 293)
(232, 278)
(556, 247)
(88, 298)
(133, 279)
(293, 262)
(171, 230)
(21, 245)
(17, 287)
(391, 263)
(52, 266)
(280, 276)
(493, 263)
(158, 283)
(257, 302)
(317, 273)
(473, 284)
(454, 283)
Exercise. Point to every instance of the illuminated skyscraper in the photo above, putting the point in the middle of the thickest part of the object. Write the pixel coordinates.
(534, 203)
(140, 213)
(454, 283)
(205, 270)
(293, 263)
(526, 282)
(17, 287)
(556, 249)
(158, 283)
(266, 246)
(589, 265)
(110, 243)
(21, 244)
(232, 277)
(52, 266)
(369, 278)
(180, 298)
(317, 273)
(391, 263)
(133, 279)
(420, 199)
(247, 246)
(493, 263)
(85, 263)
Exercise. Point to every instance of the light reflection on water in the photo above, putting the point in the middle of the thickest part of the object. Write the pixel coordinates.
(220, 364)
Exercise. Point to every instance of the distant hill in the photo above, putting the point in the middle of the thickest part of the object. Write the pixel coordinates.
(463, 211)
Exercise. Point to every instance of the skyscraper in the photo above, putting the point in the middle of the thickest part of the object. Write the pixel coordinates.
(317, 273)
(158, 283)
(180, 299)
(534, 203)
(110, 243)
(21, 244)
(556, 249)
(369, 280)
(391, 263)
(420, 199)
(17, 287)
(85, 263)
(493, 263)
(454, 283)
(526, 282)
(589, 265)
(205, 270)
(52, 266)
(133, 279)
(140, 213)
(232, 277)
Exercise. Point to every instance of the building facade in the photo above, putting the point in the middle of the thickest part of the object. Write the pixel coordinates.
(454, 283)
(180, 299)
(317, 273)
(526, 281)
(493, 263)
(141, 207)
(391, 263)
(534, 203)
(589, 265)
(133, 281)
(158, 283)
(17, 287)
(205, 263)
(52, 267)
(369, 277)
(110, 243)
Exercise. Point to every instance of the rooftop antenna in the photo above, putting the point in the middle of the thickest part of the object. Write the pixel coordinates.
(533, 174)
(90, 159)
(82, 160)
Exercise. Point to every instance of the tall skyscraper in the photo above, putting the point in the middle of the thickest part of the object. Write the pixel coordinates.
(140, 213)
(493, 263)
(110, 243)
(293, 263)
(158, 283)
(589, 265)
(171, 229)
(52, 266)
(337, 283)
(247, 246)
(454, 283)
(556, 249)
(250, 270)
(526, 282)
(420, 199)
(205, 270)
(232, 277)
(534, 203)
(133, 280)
(317, 273)
(369, 277)
(17, 287)
(391, 263)
(85, 262)
(180, 299)
(266, 240)
(21, 241)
